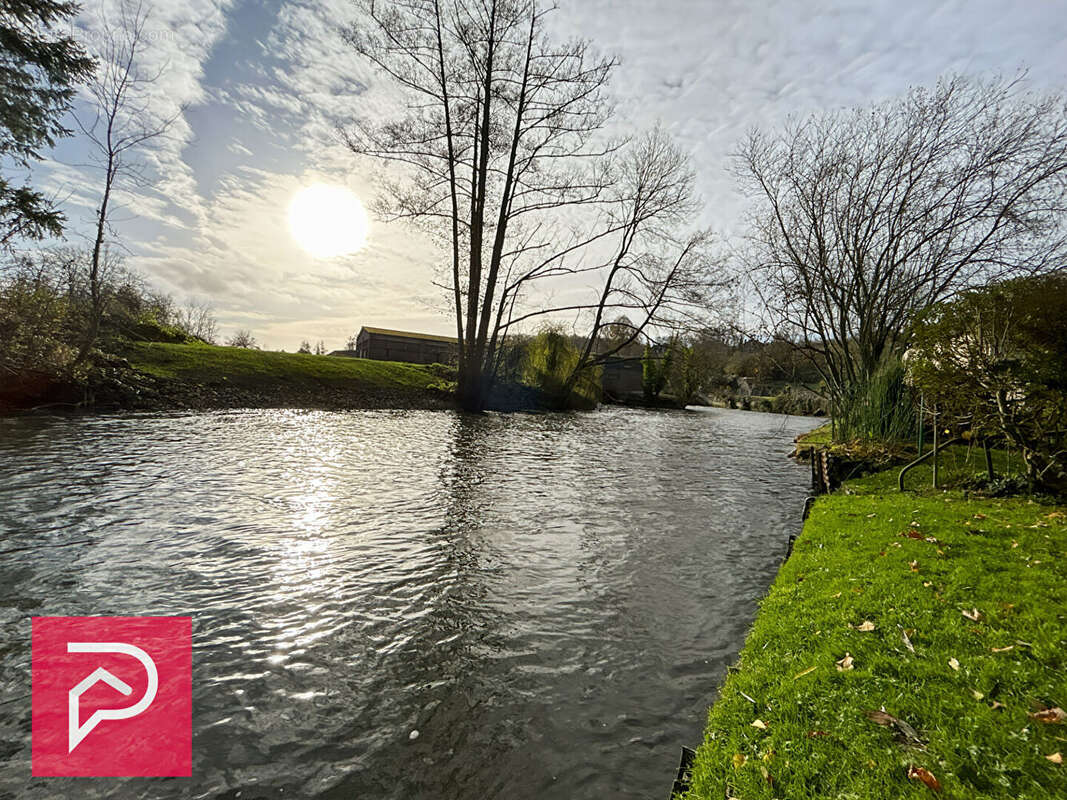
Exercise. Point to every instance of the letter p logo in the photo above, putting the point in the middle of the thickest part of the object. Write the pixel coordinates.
(76, 732)
(85, 672)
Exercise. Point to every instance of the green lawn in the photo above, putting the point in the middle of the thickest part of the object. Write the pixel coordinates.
(909, 565)
(209, 364)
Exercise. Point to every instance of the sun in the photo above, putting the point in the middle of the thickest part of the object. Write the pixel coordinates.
(327, 221)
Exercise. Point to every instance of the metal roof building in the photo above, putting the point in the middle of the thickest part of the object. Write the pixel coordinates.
(384, 344)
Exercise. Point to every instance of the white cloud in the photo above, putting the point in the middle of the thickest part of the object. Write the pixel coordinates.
(271, 95)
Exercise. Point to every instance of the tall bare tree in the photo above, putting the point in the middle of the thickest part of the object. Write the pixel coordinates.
(501, 153)
(122, 120)
(867, 216)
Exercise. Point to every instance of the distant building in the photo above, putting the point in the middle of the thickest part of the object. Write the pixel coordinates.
(622, 376)
(383, 344)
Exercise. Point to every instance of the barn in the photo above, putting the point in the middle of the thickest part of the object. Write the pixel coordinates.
(384, 344)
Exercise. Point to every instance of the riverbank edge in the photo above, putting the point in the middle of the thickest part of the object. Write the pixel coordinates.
(152, 376)
(873, 612)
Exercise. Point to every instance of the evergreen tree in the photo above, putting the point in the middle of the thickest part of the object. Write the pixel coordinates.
(39, 66)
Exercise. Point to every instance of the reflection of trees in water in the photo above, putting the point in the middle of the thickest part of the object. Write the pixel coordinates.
(455, 691)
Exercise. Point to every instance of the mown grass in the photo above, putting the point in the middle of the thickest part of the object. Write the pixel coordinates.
(857, 561)
(201, 363)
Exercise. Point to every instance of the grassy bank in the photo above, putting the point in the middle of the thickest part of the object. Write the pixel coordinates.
(947, 612)
(205, 375)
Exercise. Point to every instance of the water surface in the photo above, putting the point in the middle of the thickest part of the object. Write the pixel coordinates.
(551, 601)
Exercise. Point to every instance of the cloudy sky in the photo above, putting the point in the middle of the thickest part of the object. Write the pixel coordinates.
(259, 85)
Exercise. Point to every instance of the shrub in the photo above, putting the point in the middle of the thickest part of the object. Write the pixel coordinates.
(995, 359)
(45, 311)
(687, 374)
(655, 370)
(549, 365)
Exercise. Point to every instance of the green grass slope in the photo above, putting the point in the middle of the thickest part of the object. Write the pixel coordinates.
(947, 612)
(231, 374)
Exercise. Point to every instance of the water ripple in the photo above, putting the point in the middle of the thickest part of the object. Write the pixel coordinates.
(551, 600)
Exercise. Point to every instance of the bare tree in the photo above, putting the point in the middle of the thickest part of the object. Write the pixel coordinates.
(867, 216)
(122, 120)
(243, 338)
(198, 319)
(502, 155)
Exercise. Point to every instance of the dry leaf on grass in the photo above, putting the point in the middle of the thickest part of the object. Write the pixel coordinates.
(1055, 758)
(973, 615)
(804, 672)
(817, 734)
(866, 625)
(759, 724)
(739, 760)
(1049, 715)
(924, 775)
(904, 732)
(1003, 649)
(914, 566)
(977, 694)
(845, 663)
(954, 664)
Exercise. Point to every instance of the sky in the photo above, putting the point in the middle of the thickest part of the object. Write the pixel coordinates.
(258, 87)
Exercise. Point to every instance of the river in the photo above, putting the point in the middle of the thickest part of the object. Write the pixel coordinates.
(550, 600)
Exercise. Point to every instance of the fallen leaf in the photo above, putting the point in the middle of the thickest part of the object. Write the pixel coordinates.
(912, 534)
(914, 566)
(817, 734)
(739, 760)
(974, 615)
(977, 694)
(845, 663)
(928, 584)
(997, 704)
(924, 775)
(1003, 649)
(979, 516)
(1014, 544)
(954, 664)
(1049, 715)
(759, 724)
(837, 595)
(904, 732)
(802, 673)
(865, 626)
(1055, 758)
(881, 717)
(1056, 515)
(907, 641)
